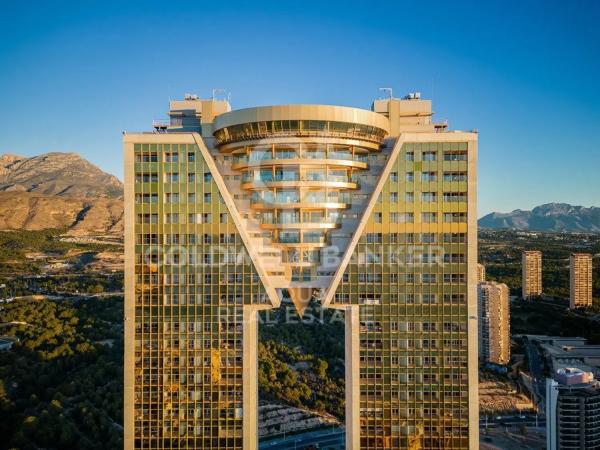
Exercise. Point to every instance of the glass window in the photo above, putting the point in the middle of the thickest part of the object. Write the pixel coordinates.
(291, 237)
(458, 155)
(454, 197)
(455, 217)
(171, 157)
(428, 238)
(172, 197)
(429, 156)
(172, 177)
(429, 176)
(429, 196)
(172, 218)
(428, 217)
(455, 176)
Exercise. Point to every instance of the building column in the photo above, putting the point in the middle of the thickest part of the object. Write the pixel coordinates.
(129, 308)
(250, 378)
(352, 356)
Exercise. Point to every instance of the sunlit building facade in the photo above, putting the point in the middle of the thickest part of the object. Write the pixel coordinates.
(480, 273)
(494, 322)
(232, 212)
(580, 280)
(532, 274)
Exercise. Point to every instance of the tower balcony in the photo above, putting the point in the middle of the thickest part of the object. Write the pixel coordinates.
(244, 163)
(265, 183)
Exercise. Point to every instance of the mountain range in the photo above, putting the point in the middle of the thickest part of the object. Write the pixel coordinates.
(554, 217)
(63, 190)
(59, 190)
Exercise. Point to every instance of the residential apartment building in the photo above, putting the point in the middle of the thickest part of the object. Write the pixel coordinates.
(494, 322)
(532, 274)
(480, 273)
(572, 411)
(580, 280)
(229, 213)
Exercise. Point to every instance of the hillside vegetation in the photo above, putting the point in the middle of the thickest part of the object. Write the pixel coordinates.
(61, 386)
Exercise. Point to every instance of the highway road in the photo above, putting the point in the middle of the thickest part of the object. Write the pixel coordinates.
(536, 370)
(514, 420)
(330, 439)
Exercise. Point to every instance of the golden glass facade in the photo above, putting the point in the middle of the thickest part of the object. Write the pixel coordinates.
(192, 279)
(409, 276)
(370, 212)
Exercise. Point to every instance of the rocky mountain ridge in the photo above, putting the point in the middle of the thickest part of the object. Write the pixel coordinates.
(59, 190)
(60, 174)
(554, 217)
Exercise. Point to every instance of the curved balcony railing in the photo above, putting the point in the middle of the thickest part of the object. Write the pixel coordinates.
(261, 184)
(243, 162)
(267, 197)
(299, 225)
(299, 128)
(299, 220)
(308, 237)
(259, 205)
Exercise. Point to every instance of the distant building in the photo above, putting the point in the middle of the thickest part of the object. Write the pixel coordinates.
(494, 322)
(581, 280)
(532, 274)
(567, 352)
(480, 273)
(572, 410)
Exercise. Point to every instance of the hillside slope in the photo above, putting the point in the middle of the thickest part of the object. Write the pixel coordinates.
(60, 174)
(59, 190)
(30, 211)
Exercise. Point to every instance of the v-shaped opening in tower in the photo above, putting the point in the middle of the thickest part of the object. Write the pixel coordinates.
(301, 188)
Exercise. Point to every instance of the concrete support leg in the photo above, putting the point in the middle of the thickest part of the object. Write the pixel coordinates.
(352, 378)
(250, 378)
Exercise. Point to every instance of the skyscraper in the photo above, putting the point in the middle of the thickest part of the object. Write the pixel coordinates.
(494, 322)
(232, 212)
(532, 274)
(580, 280)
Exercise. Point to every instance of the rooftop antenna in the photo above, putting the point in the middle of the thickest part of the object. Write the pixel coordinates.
(215, 91)
(387, 89)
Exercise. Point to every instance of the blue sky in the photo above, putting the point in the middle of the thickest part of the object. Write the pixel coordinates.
(73, 75)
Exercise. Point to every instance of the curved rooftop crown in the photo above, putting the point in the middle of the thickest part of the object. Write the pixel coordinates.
(301, 120)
